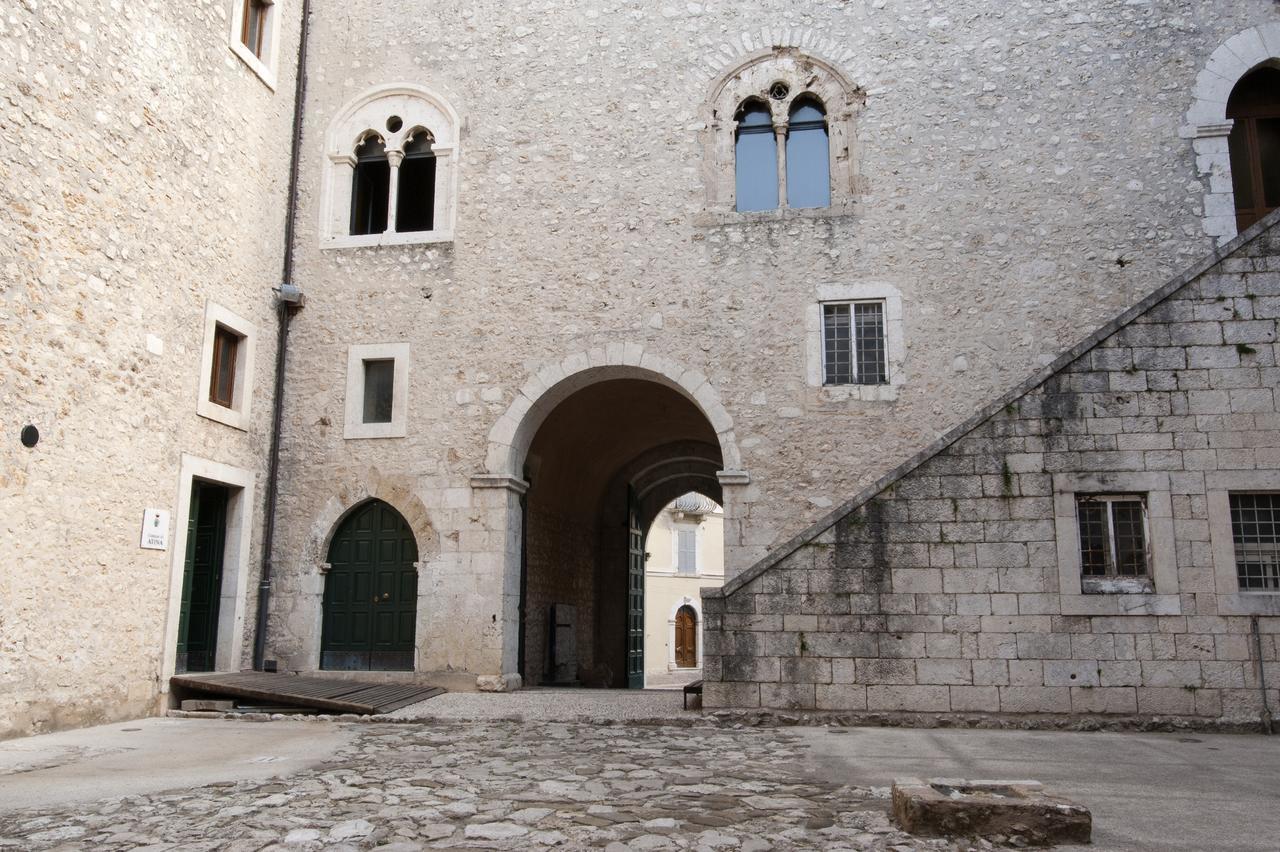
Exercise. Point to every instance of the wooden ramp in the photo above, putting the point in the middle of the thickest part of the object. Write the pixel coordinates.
(329, 694)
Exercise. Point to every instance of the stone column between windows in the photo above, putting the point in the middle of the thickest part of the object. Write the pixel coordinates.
(780, 137)
(394, 159)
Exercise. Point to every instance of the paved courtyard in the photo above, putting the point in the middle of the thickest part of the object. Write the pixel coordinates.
(502, 783)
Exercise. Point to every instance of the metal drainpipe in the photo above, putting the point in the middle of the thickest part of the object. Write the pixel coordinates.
(1262, 678)
(286, 308)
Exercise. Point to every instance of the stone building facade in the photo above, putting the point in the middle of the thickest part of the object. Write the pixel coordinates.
(144, 170)
(582, 329)
(961, 583)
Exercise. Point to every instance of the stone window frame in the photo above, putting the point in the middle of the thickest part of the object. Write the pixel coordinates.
(237, 416)
(264, 68)
(1208, 127)
(353, 426)
(1155, 487)
(1219, 485)
(236, 566)
(418, 108)
(752, 79)
(894, 341)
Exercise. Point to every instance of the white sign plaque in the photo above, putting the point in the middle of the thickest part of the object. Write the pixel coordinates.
(155, 529)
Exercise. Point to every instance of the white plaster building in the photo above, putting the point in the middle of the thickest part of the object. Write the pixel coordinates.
(684, 553)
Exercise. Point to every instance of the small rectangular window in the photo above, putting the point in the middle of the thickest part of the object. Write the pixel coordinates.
(687, 551)
(379, 383)
(853, 344)
(1255, 529)
(222, 384)
(254, 26)
(1114, 555)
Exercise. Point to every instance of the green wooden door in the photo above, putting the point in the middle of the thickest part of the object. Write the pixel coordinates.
(635, 602)
(202, 578)
(370, 593)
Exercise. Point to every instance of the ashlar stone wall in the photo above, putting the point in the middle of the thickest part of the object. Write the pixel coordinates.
(953, 585)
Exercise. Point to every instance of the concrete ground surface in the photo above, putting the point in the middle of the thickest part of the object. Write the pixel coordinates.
(1146, 791)
(196, 784)
(151, 755)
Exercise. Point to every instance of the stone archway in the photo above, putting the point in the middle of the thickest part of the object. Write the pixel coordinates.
(297, 608)
(512, 433)
(501, 490)
(1207, 124)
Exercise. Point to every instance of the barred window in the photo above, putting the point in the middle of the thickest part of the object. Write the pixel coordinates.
(1255, 529)
(1113, 543)
(853, 346)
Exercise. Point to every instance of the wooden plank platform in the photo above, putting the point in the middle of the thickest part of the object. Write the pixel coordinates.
(329, 694)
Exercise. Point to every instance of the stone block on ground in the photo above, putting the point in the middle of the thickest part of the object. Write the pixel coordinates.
(948, 807)
(220, 705)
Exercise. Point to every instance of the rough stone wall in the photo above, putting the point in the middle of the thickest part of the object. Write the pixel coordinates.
(952, 589)
(1003, 149)
(564, 549)
(144, 172)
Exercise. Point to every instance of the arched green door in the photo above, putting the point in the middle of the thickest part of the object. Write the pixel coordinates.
(370, 593)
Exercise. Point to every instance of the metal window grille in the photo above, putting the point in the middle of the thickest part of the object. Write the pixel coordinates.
(853, 344)
(687, 551)
(1113, 535)
(868, 336)
(1255, 528)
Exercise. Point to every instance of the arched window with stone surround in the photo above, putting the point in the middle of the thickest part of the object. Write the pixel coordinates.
(397, 184)
(808, 155)
(1229, 106)
(810, 108)
(755, 158)
(1254, 144)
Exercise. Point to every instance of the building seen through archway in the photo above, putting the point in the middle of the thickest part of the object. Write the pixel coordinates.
(684, 553)
(601, 467)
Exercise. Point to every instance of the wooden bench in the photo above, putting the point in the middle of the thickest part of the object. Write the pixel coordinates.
(694, 688)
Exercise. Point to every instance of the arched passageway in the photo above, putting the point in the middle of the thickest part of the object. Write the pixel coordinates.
(600, 467)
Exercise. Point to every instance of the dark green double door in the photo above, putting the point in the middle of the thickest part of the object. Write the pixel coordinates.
(202, 578)
(370, 593)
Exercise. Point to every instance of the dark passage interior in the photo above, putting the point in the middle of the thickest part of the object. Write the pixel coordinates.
(601, 466)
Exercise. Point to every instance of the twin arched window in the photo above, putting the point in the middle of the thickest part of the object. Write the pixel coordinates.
(788, 159)
(393, 191)
(392, 170)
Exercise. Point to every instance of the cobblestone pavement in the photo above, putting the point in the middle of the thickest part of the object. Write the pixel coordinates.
(503, 785)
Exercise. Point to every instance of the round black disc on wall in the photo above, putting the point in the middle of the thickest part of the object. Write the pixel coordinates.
(30, 436)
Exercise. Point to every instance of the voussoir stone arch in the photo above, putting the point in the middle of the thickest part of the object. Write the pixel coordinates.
(395, 491)
(1207, 124)
(511, 435)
